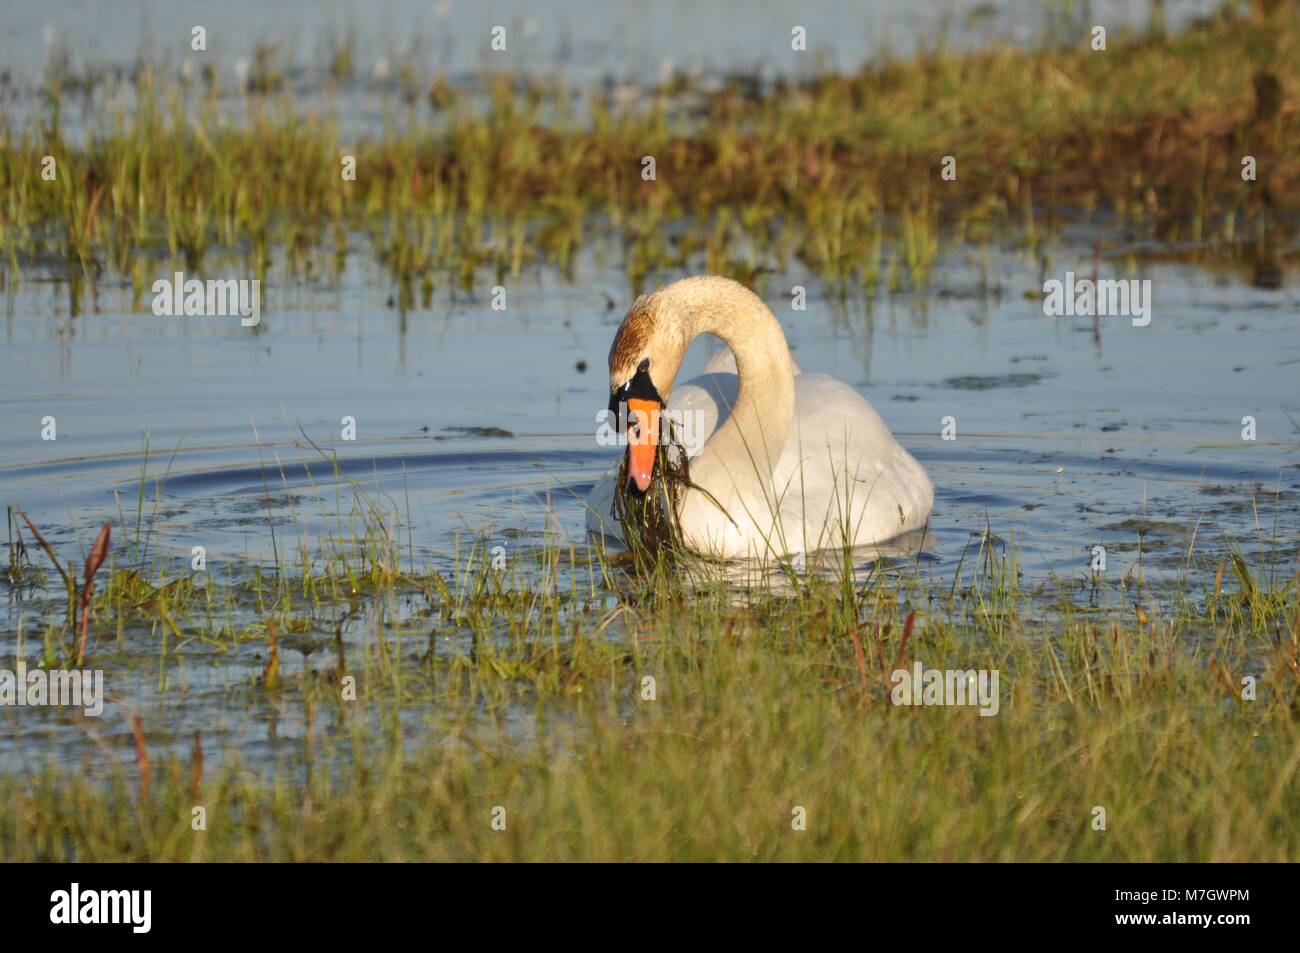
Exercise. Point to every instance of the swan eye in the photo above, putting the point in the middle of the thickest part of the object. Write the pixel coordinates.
(644, 366)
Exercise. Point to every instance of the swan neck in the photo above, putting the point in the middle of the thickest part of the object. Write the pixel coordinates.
(754, 435)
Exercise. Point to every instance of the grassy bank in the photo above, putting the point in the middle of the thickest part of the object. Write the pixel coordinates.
(1145, 139)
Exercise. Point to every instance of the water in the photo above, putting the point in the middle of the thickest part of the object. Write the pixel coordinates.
(478, 423)
(583, 40)
(1067, 435)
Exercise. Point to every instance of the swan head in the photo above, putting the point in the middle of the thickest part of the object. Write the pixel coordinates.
(643, 363)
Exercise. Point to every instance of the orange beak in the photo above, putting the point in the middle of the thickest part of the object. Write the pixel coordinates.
(642, 441)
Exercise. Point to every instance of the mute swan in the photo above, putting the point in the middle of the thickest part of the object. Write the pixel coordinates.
(781, 462)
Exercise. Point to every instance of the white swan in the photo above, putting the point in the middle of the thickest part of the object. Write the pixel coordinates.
(784, 462)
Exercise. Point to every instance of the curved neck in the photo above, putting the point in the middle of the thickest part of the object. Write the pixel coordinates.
(741, 454)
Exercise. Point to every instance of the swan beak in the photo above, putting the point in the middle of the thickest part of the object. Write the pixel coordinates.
(642, 442)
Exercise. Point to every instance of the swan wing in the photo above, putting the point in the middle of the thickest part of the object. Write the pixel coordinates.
(600, 507)
(842, 473)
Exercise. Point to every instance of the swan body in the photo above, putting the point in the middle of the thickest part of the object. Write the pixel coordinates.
(782, 462)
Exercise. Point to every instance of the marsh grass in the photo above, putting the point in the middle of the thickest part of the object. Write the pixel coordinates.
(529, 684)
(838, 172)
